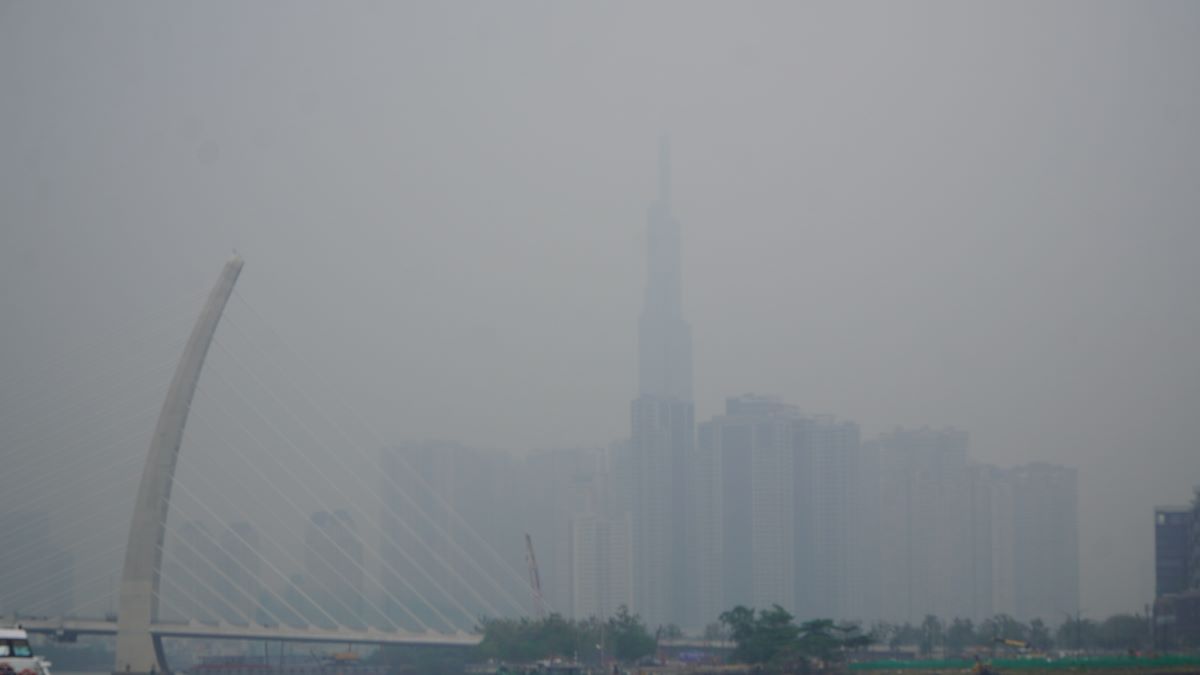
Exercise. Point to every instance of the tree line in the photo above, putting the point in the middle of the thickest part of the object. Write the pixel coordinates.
(771, 639)
(623, 637)
(1119, 632)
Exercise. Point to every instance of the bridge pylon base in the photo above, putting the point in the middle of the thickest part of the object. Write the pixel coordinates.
(154, 661)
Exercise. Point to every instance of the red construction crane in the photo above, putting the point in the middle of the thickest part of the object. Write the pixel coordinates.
(535, 580)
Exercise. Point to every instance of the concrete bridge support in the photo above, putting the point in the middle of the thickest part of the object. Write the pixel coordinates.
(138, 651)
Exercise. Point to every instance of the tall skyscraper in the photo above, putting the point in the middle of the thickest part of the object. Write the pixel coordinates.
(662, 419)
(664, 337)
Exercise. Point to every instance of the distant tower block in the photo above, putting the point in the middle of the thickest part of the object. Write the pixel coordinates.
(137, 650)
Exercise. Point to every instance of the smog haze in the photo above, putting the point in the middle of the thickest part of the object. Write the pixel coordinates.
(978, 216)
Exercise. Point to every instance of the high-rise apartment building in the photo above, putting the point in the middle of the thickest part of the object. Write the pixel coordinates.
(450, 526)
(192, 576)
(1045, 541)
(195, 555)
(454, 521)
(970, 540)
(333, 568)
(1177, 575)
(662, 423)
(992, 541)
(785, 512)
(601, 567)
(831, 556)
(925, 524)
(559, 486)
(749, 455)
(40, 575)
(863, 539)
(1172, 549)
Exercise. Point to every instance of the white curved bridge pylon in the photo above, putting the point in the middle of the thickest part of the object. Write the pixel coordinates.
(138, 630)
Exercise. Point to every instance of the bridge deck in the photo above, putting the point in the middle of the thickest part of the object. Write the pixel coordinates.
(224, 631)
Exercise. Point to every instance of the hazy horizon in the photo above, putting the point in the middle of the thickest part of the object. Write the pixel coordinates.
(978, 216)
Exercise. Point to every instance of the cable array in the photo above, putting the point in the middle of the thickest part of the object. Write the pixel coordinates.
(277, 515)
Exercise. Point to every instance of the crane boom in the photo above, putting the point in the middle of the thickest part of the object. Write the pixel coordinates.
(535, 580)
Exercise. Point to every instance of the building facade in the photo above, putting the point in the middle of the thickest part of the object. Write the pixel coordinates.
(1177, 575)
(40, 575)
(1045, 541)
(452, 531)
(827, 469)
(748, 487)
(787, 511)
(601, 567)
(560, 489)
(1172, 549)
(925, 521)
(333, 569)
(191, 575)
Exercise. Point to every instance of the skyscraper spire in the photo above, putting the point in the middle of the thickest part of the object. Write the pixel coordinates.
(665, 340)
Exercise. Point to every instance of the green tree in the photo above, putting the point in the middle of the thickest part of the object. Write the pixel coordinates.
(881, 632)
(828, 641)
(526, 640)
(628, 636)
(986, 632)
(670, 632)
(1078, 634)
(905, 634)
(768, 637)
(713, 632)
(1124, 632)
(1039, 635)
(960, 635)
(819, 639)
(772, 639)
(623, 636)
(740, 623)
(852, 638)
(931, 634)
(1005, 627)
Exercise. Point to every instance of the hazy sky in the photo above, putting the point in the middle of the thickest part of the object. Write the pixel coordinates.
(959, 214)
